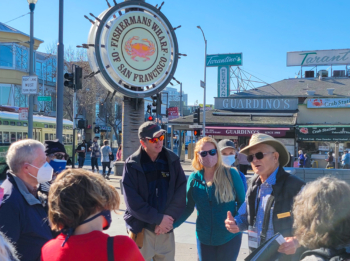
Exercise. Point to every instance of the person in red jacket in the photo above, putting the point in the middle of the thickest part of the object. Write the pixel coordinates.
(80, 205)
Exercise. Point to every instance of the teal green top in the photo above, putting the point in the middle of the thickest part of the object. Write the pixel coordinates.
(210, 224)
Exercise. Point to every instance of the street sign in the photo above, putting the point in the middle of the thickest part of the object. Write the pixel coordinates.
(229, 59)
(195, 126)
(44, 98)
(23, 114)
(202, 84)
(30, 85)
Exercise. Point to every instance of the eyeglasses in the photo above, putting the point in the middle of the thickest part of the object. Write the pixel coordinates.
(258, 155)
(59, 156)
(155, 140)
(205, 153)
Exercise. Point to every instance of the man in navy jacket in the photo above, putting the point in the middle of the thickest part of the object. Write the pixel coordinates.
(154, 192)
(23, 218)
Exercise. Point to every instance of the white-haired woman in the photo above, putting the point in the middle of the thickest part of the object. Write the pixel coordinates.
(301, 161)
(7, 251)
(322, 219)
(216, 191)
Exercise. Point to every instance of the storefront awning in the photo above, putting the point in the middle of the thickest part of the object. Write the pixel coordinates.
(323, 133)
(245, 131)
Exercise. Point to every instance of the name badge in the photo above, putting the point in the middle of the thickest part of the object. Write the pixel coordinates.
(252, 237)
(283, 215)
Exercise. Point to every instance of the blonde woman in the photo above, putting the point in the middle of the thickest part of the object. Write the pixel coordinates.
(216, 191)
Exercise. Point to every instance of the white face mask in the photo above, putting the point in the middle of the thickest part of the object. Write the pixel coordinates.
(228, 160)
(44, 173)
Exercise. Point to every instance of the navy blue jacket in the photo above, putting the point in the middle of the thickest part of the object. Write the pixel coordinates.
(23, 219)
(138, 211)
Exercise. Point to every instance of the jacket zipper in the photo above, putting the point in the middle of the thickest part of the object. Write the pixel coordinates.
(211, 213)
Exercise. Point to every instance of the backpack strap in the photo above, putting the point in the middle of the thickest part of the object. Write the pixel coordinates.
(110, 250)
(327, 254)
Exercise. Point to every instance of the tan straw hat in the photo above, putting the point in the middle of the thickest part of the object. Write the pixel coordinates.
(259, 138)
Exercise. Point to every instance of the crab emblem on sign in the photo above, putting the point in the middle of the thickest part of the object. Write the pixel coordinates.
(139, 49)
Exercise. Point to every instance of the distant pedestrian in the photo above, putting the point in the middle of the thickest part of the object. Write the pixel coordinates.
(330, 161)
(95, 154)
(23, 218)
(106, 151)
(322, 219)
(216, 191)
(228, 154)
(242, 160)
(82, 220)
(155, 194)
(119, 153)
(307, 161)
(82, 149)
(345, 159)
(301, 162)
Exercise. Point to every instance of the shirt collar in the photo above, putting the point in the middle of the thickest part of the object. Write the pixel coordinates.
(29, 197)
(271, 180)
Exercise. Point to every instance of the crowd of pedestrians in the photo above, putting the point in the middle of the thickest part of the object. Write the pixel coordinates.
(51, 212)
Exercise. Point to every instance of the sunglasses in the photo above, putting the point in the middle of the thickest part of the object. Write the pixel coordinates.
(258, 155)
(205, 153)
(155, 140)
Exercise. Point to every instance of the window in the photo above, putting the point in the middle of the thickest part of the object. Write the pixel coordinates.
(39, 70)
(19, 123)
(6, 137)
(5, 91)
(51, 137)
(21, 58)
(46, 126)
(25, 135)
(51, 126)
(6, 123)
(13, 137)
(6, 55)
(19, 135)
(46, 136)
(71, 139)
(0, 122)
(25, 124)
(12, 123)
(0, 137)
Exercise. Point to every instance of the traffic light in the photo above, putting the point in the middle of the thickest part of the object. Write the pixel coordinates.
(81, 124)
(69, 82)
(157, 102)
(97, 130)
(149, 108)
(78, 78)
(197, 116)
(150, 118)
(197, 132)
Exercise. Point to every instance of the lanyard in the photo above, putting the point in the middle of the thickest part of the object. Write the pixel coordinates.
(257, 203)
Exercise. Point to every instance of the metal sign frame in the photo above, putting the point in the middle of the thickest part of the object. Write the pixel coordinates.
(97, 63)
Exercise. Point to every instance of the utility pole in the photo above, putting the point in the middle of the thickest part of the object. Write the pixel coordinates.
(59, 83)
(181, 105)
(205, 80)
(31, 69)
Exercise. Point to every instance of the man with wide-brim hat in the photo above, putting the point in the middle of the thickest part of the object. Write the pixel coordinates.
(269, 198)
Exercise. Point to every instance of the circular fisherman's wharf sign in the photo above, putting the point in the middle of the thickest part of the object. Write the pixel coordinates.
(134, 50)
(139, 49)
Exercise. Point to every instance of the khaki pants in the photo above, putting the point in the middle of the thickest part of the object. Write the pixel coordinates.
(158, 248)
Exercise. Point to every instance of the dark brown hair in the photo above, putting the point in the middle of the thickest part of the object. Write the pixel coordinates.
(105, 142)
(77, 194)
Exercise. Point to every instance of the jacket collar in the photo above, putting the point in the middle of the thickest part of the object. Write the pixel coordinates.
(135, 158)
(31, 200)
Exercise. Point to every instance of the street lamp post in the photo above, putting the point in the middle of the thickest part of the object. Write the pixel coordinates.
(205, 79)
(31, 66)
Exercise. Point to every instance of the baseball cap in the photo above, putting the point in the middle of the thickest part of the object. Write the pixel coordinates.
(226, 143)
(149, 130)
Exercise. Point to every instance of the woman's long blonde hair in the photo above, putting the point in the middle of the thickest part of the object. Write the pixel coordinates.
(222, 178)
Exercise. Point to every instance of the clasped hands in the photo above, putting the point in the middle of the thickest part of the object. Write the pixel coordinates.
(165, 226)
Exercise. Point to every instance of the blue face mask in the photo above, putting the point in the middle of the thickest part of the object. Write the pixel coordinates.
(58, 165)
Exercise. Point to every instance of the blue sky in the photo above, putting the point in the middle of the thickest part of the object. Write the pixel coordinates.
(262, 30)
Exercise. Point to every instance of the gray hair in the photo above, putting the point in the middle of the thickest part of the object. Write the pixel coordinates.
(22, 151)
(322, 214)
(7, 251)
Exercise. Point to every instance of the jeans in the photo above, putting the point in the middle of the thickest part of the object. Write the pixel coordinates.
(104, 165)
(226, 252)
(94, 163)
(81, 161)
